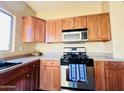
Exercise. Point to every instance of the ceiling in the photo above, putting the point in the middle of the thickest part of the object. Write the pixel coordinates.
(46, 6)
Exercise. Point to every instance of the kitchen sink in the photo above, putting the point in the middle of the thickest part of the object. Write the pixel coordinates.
(4, 65)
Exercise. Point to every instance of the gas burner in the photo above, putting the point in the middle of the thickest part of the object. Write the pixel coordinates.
(74, 55)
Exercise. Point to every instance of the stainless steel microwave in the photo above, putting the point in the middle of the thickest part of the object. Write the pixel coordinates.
(74, 35)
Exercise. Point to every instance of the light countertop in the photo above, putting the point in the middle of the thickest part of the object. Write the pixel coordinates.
(26, 60)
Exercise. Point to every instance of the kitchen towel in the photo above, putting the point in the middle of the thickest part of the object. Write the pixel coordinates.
(73, 72)
(77, 72)
(82, 73)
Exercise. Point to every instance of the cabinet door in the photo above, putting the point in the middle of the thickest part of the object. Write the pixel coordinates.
(33, 29)
(42, 26)
(43, 80)
(67, 23)
(49, 75)
(104, 27)
(99, 75)
(31, 79)
(80, 22)
(36, 26)
(56, 78)
(28, 30)
(50, 31)
(121, 80)
(111, 80)
(92, 25)
(39, 28)
(46, 78)
(16, 84)
(58, 31)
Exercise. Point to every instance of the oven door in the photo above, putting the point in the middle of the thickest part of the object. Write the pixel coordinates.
(64, 82)
(89, 85)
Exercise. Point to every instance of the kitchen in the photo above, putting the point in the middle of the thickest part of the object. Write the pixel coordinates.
(38, 45)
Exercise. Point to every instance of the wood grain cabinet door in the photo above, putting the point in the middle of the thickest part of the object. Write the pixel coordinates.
(58, 30)
(67, 23)
(50, 31)
(43, 81)
(80, 22)
(16, 84)
(104, 27)
(28, 29)
(50, 75)
(45, 76)
(121, 80)
(36, 26)
(39, 29)
(56, 78)
(111, 80)
(42, 29)
(54, 31)
(33, 29)
(99, 75)
(92, 25)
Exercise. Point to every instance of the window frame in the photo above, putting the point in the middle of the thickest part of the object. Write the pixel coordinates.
(11, 30)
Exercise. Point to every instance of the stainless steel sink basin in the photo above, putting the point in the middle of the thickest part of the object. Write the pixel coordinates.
(4, 65)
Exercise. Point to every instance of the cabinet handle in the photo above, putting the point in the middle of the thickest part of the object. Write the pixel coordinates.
(34, 65)
(28, 75)
(114, 65)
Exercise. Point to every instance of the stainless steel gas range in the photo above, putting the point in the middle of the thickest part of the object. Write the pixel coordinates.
(77, 57)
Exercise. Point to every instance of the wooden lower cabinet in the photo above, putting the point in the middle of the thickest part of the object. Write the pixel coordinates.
(25, 80)
(121, 79)
(49, 75)
(111, 80)
(109, 76)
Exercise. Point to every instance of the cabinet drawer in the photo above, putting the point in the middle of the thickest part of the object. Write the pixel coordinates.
(111, 65)
(49, 63)
(30, 67)
(121, 65)
(52, 63)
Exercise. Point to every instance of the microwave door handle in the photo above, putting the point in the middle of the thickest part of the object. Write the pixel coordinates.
(80, 35)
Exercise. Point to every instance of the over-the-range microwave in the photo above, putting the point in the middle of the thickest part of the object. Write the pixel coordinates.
(75, 35)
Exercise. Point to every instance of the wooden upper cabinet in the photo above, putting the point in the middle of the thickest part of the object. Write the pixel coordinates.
(28, 32)
(53, 31)
(67, 23)
(50, 31)
(42, 29)
(104, 26)
(33, 29)
(98, 27)
(80, 22)
(58, 36)
(92, 25)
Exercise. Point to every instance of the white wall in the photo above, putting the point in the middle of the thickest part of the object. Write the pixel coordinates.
(18, 9)
(117, 27)
(82, 9)
(91, 47)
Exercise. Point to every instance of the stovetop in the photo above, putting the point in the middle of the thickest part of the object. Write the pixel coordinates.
(75, 55)
(75, 58)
